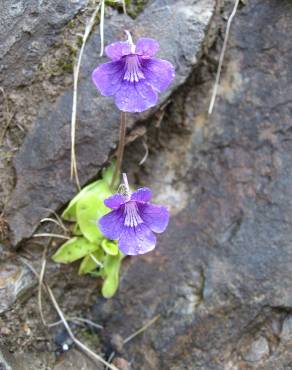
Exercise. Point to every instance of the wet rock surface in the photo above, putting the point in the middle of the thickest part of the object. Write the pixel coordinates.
(27, 30)
(43, 162)
(220, 276)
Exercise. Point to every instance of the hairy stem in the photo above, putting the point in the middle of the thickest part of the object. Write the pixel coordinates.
(121, 146)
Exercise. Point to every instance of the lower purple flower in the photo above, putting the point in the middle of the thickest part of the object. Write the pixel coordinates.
(133, 221)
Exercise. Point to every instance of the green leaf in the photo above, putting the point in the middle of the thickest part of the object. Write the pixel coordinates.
(89, 210)
(73, 250)
(69, 213)
(111, 271)
(108, 174)
(89, 263)
(76, 230)
(110, 247)
(97, 187)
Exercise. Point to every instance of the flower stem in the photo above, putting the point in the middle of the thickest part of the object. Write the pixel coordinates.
(125, 179)
(121, 146)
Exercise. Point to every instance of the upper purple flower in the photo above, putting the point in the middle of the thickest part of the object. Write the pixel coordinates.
(134, 76)
(133, 220)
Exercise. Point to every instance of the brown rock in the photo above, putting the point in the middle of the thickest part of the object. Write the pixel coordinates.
(15, 280)
(74, 359)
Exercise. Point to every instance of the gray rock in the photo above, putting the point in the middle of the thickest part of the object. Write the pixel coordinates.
(42, 164)
(74, 359)
(258, 350)
(7, 360)
(27, 30)
(15, 280)
(286, 334)
(222, 270)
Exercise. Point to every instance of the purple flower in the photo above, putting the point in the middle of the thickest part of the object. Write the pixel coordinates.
(133, 76)
(133, 220)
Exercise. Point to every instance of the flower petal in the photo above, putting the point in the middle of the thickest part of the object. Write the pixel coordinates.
(108, 77)
(111, 225)
(155, 217)
(142, 195)
(146, 46)
(158, 72)
(118, 49)
(115, 201)
(135, 96)
(137, 240)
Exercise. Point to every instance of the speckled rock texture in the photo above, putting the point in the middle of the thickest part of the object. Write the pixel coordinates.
(220, 277)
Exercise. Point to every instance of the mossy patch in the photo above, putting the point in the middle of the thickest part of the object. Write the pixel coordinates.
(133, 7)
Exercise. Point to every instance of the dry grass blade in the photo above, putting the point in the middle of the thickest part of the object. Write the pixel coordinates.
(58, 218)
(88, 28)
(82, 346)
(143, 160)
(124, 7)
(132, 336)
(216, 85)
(56, 222)
(144, 327)
(95, 260)
(59, 236)
(77, 341)
(101, 27)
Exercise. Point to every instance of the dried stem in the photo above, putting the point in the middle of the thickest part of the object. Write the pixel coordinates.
(143, 160)
(61, 223)
(41, 283)
(59, 236)
(144, 327)
(74, 172)
(101, 27)
(82, 346)
(216, 85)
(77, 341)
(124, 7)
(121, 146)
(132, 336)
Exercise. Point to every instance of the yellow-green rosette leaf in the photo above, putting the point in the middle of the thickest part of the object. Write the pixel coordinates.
(89, 210)
(110, 247)
(73, 250)
(76, 230)
(91, 262)
(70, 212)
(111, 272)
(108, 174)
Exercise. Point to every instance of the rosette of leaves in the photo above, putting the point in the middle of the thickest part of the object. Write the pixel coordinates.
(99, 256)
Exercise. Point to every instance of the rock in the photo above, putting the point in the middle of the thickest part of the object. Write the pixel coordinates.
(75, 359)
(220, 275)
(286, 334)
(223, 267)
(27, 31)
(34, 361)
(43, 162)
(258, 350)
(15, 280)
(7, 360)
(121, 363)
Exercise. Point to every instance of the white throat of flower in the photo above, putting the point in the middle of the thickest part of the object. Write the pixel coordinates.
(132, 217)
(133, 71)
